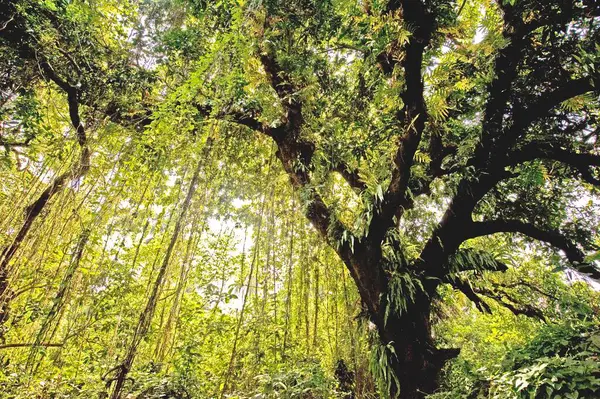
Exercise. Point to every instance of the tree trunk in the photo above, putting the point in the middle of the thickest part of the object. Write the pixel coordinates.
(145, 319)
(31, 214)
(417, 362)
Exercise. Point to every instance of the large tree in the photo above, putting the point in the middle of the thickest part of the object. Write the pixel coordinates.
(386, 115)
(483, 113)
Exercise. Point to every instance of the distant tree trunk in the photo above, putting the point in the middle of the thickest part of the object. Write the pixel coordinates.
(273, 271)
(75, 172)
(146, 316)
(316, 304)
(59, 298)
(288, 298)
(31, 214)
(253, 266)
(162, 344)
(306, 273)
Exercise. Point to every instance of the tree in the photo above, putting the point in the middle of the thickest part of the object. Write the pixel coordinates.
(463, 126)
(407, 128)
(63, 58)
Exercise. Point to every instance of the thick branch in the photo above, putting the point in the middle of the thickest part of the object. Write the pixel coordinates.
(295, 154)
(72, 98)
(498, 139)
(413, 116)
(524, 117)
(532, 287)
(505, 70)
(579, 161)
(248, 119)
(453, 229)
(466, 288)
(280, 82)
(277, 77)
(138, 121)
(438, 153)
(351, 176)
(548, 151)
(490, 160)
(552, 237)
(512, 304)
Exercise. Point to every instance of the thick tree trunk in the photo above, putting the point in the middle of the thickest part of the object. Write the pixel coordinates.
(417, 362)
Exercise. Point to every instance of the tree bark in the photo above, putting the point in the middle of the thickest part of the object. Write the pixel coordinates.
(417, 363)
(77, 171)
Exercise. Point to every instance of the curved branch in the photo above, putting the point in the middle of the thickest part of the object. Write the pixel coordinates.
(466, 288)
(505, 70)
(531, 286)
(72, 98)
(490, 157)
(579, 161)
(552, 99)
(295, 154)
(438, 153)
(516, 307)
(248, 119)
(552, 237)
(79, 169)
(453, 229)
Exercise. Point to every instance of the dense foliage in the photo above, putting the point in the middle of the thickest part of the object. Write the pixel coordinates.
(299, 199)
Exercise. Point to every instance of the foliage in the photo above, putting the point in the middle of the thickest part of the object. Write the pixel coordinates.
(560, 361)
(153, 246)
(306, 381)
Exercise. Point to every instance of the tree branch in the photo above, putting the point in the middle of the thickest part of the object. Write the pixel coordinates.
(579, 161)
(248, 119)
(466, 288)
(76, 171)
(552, 237)
(351, 176)
(24, 345)
(490, 157)
(72, 98)
(524, 117)
(413, 115)
(438, 153)
(530, 286)
(514, 306)
(536, 150)
(505, 70)
(453, 229)
(295, 154)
